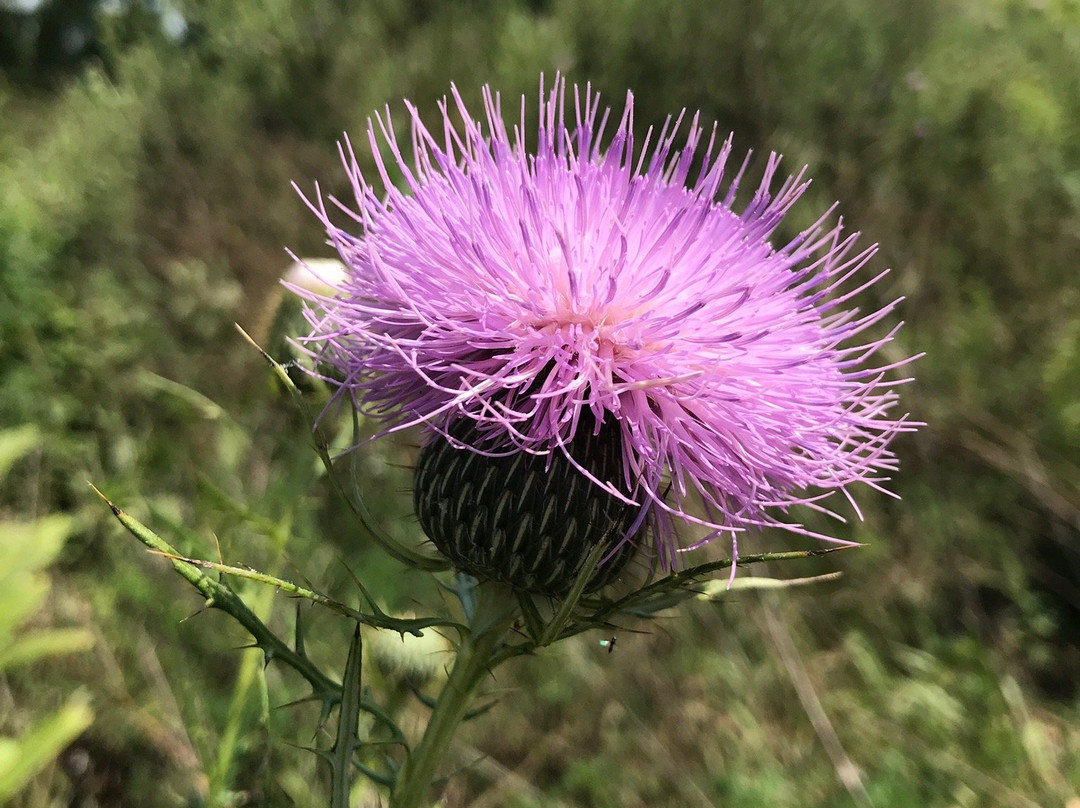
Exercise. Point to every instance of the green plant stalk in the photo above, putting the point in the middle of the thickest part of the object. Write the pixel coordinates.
(222, 768)
(496, 610)
(246, 679)
(377, 619)
(406, 555)
(219, 596)
(250, 672)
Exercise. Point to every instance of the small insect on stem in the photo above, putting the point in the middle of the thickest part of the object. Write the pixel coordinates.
(608, 644)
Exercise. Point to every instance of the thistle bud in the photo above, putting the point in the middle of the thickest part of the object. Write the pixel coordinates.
(525, 519)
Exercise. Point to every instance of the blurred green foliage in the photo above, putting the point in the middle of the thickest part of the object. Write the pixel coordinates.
(28, 547)
(145, 206)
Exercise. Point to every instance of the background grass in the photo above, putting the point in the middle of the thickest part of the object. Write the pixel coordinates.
(145, 207)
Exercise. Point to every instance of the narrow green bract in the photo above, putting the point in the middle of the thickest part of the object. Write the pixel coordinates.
(524, 519)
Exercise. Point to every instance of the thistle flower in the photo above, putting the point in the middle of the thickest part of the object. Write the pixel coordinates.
(599, 346)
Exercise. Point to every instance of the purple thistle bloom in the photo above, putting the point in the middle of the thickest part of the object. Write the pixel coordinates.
(511, 295)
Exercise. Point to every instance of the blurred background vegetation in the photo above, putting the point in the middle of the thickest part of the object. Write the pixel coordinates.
(146, 155)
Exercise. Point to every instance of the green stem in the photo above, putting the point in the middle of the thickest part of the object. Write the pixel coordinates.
(496, 610)
(220, 596)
